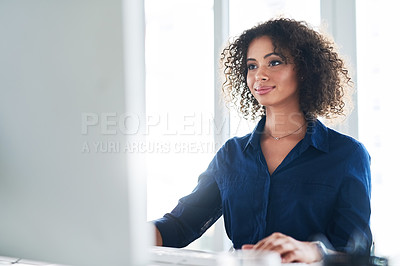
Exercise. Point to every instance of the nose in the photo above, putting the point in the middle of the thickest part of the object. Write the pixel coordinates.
(261, 74)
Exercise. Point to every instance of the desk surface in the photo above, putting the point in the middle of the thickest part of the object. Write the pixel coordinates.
(163, 256)
(171, 256)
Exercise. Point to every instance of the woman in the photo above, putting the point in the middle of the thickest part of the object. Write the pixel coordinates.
(292, 179)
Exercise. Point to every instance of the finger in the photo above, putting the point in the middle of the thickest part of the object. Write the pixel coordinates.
(272, 243)
(284, 247)
(289, 257)
(247, 246)
(264, 243)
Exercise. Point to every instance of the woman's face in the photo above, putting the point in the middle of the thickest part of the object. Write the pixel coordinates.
(271, 77)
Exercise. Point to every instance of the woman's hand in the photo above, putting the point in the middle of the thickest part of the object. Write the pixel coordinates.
(158, 238)
(290, 249)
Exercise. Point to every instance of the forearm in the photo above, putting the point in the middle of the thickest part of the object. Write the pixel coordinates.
(158, 237)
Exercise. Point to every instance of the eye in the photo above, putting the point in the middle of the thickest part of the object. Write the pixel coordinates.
(251, 66)
(275, 63)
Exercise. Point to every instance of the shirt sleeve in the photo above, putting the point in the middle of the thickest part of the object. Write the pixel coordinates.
(194, 214)
(353, 210)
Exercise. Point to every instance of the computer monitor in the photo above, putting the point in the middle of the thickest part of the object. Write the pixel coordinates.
(69, 191)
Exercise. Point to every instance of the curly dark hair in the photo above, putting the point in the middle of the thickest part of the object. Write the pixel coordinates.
(322, 76)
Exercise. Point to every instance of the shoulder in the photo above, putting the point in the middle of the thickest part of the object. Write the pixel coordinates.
(250, 139)
(355, 156)
(237, 142)
(346, 142)
(232, 149)
(333, 140)
(350, 155)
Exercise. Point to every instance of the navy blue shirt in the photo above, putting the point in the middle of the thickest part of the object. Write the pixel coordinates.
(322, 187)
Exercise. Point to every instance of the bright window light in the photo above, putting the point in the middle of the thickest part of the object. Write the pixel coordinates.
(378, 95)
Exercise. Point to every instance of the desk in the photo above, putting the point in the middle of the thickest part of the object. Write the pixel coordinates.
(162, 256)
(22, 262)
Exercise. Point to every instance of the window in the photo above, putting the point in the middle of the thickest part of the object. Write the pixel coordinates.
(180, 98)
(378, 94)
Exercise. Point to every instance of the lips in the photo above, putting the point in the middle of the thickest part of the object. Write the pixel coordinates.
(263, 89)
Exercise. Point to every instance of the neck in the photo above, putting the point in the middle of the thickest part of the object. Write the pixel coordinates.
(282, 123)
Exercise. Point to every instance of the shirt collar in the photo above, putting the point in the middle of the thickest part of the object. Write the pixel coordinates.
(254, 139)
(316, 136)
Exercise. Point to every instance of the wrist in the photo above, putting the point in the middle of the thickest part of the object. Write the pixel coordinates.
(322, 250)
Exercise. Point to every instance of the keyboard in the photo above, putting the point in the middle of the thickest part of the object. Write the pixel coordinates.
(173, 256)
